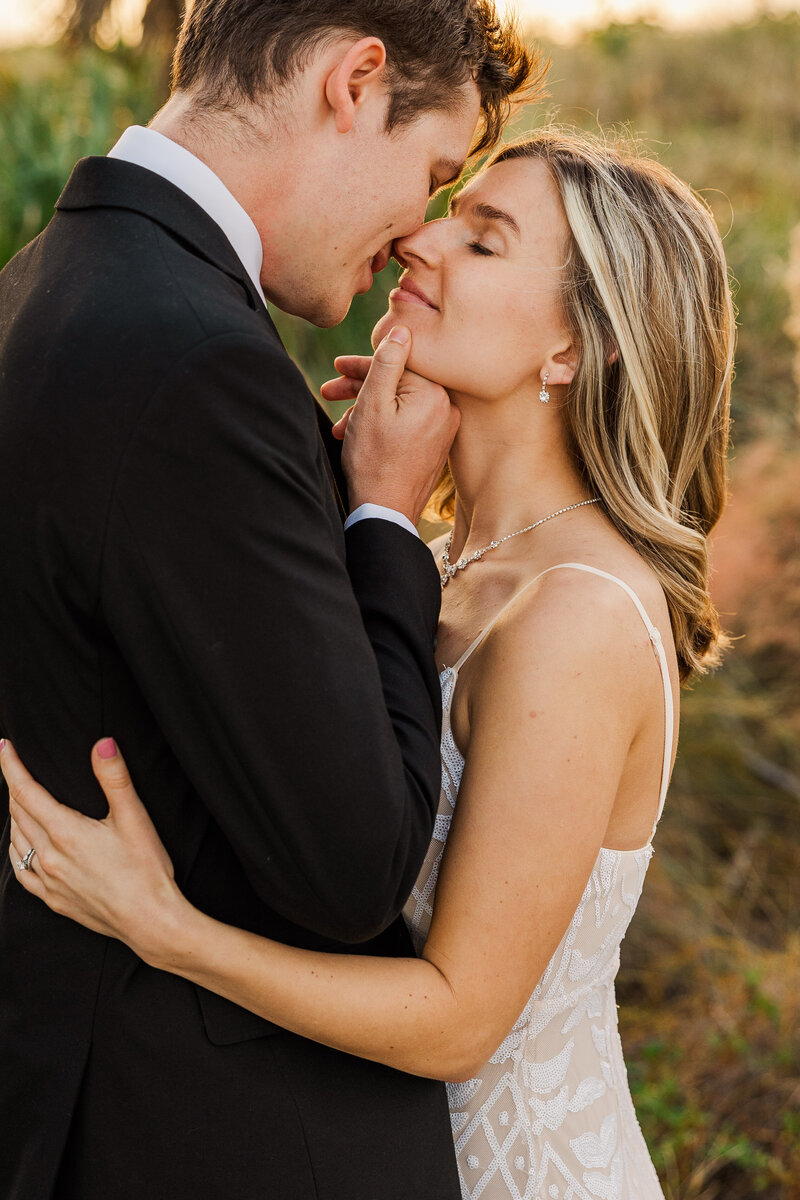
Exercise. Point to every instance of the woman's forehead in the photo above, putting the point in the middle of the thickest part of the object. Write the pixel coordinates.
(522, 188)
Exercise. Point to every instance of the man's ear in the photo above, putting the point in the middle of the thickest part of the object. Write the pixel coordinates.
(357, 72)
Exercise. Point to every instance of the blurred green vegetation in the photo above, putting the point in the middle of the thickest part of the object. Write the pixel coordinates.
(54, 109)
(711, 968)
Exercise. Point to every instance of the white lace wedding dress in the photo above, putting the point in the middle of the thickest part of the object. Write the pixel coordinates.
(550, 1116)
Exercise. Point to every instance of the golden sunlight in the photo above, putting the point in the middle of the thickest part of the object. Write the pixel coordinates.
(568, 17)
(25, 21)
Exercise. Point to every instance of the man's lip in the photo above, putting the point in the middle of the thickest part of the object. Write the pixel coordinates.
(408, 285)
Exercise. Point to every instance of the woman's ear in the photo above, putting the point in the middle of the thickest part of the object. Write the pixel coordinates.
(561, 366)
(357, 73)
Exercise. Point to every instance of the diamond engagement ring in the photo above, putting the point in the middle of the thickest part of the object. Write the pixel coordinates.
(24, 864)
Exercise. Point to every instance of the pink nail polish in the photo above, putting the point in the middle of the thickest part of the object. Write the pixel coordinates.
(2, 745)
(107, 748)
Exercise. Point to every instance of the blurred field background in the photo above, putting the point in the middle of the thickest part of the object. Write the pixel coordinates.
(709, 987)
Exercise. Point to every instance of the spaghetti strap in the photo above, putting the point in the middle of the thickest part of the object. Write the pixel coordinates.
(456, 667)
(658, 645)
(655, 639)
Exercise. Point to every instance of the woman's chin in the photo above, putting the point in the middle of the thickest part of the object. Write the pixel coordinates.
(402, 315)
(384, 326)
(417, 358)
(419, 337)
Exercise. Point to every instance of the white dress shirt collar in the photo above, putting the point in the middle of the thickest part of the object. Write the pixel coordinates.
(146, 148)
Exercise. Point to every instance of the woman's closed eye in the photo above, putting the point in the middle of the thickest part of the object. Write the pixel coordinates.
(478, 248)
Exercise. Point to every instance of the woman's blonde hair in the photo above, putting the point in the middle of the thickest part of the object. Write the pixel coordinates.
(647, 297)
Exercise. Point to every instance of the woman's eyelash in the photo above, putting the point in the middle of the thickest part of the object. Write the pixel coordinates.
(479, 248)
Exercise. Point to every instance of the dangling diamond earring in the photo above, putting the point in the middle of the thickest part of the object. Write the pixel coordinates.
(544, 395)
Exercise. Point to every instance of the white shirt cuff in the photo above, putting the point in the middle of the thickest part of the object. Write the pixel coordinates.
(370, 511)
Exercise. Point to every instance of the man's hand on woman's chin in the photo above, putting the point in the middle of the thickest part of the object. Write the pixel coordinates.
(399, 432)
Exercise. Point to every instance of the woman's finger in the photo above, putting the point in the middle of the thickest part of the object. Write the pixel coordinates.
(47, 858)
(28, 879)
(20, 847)
(21, 851)
(29, 797)
(29, 829)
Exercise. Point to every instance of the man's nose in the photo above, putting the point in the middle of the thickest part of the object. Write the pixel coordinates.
(419, 245)
(397, 252)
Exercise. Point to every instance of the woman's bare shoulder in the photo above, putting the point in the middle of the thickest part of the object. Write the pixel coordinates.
(571, 609)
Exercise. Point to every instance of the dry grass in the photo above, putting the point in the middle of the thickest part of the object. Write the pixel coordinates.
(710, 984)
(793, 289)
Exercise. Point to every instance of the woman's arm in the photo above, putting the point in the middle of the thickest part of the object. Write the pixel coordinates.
(552, 719)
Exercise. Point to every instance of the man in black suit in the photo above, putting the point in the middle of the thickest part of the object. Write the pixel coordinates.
(175, 569)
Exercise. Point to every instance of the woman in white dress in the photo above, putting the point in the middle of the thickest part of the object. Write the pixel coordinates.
(575, 304)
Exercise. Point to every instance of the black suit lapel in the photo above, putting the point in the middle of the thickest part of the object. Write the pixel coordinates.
(333, 459)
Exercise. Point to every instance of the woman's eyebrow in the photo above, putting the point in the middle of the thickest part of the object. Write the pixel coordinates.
(487, 212)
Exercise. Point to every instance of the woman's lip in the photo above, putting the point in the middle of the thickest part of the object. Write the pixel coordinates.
(401, 293)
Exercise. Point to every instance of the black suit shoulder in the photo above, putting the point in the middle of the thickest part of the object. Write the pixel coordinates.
(115, 284)
(106, 315)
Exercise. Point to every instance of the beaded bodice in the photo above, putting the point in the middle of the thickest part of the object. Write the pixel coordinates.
(550, 1116)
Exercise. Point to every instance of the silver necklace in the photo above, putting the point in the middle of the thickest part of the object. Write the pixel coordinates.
(450, 569)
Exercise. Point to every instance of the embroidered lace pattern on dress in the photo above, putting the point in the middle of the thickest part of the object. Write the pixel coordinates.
(550, 1116)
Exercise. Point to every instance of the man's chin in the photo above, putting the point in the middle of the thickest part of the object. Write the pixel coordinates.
(325, 312)
(328, 315)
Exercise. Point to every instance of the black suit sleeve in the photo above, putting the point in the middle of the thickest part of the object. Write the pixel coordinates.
(223, 587)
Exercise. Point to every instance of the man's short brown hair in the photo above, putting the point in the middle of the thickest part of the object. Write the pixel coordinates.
(230, 51)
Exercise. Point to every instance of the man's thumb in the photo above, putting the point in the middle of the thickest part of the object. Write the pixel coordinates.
(389, 360)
